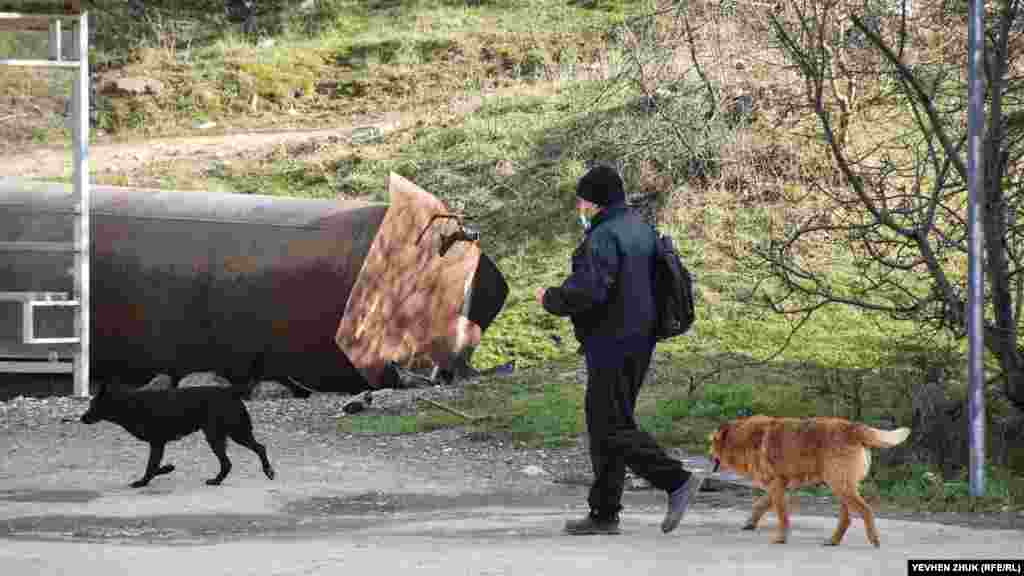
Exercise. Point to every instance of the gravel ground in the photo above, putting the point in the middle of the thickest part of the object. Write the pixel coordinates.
(42, 443)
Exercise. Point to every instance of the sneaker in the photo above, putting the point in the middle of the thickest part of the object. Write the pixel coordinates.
(680, 499)
(592, 525)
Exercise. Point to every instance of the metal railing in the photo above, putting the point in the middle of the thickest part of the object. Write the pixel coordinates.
(74, 55)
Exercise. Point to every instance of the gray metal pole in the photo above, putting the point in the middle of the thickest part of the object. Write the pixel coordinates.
(56, 36)
(80, 95)
(975, 236)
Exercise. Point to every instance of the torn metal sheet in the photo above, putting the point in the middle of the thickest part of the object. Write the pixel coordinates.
(408, 300)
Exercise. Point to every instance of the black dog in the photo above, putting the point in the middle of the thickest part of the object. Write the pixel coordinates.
(162, 416)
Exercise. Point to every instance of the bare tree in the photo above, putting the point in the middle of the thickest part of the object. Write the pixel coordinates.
(888, 89)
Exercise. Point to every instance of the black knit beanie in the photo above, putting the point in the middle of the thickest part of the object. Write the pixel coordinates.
(602, 185)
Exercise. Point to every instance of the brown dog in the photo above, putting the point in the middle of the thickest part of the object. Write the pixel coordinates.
(781, 453)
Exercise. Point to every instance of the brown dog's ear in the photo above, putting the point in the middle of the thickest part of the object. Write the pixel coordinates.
(723, 432)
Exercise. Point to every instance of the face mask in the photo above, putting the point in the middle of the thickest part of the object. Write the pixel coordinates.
(586, 215)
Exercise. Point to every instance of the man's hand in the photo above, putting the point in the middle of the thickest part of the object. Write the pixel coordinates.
(539, 295)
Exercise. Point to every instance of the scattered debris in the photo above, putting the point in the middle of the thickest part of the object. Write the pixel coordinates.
(133, 86)
(534, 471)
(358, 405)
(505, 169)
(399, 378)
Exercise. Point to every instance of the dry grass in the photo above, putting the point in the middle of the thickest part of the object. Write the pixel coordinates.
(32, 107)
(361, 62)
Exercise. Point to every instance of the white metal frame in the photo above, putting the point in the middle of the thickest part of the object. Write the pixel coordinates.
(79, 60)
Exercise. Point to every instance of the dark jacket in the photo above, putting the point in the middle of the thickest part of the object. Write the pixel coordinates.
(610, 294)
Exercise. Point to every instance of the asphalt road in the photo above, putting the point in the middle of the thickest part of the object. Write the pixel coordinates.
(249, 526)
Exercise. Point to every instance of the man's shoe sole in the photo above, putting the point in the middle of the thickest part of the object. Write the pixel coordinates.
(593, 531)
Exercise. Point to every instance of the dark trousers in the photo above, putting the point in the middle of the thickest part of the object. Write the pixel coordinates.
(615, 440)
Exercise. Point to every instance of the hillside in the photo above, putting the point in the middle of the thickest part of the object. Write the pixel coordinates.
(495, 106)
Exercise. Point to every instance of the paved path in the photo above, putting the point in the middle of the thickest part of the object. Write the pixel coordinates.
(250, 526)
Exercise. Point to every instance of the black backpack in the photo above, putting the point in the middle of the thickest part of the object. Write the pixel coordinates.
(673, 291)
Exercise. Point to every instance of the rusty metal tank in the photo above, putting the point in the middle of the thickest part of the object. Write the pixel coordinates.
(249, 286)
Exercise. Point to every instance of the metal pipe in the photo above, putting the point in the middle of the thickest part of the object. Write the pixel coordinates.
(249, 286)
(54, 44)
(80, 95)
(975, 239)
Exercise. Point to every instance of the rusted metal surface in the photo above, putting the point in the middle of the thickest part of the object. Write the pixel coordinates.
(251, 286)
(248, 286)
(408, 299)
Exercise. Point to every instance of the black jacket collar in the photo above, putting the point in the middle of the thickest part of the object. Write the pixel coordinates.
(610, 212)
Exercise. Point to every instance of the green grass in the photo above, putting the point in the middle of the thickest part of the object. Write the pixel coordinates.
(542, 405)
(919, 486)
(529, 230)
(283, 177)
(382, 425)
(534, 407)
(345, 57)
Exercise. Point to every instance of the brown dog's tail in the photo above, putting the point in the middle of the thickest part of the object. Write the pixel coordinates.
(875, 438)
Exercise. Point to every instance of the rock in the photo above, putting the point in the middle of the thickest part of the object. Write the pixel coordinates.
(648, 103)
(204, 379)
(504, 168)
(133, 86)
(159, 382)
(366, 135)
(137, 9)
(533, 471)
(244, 12)
(508, 368)
(206, 99)
(270, 389)
(741, 111)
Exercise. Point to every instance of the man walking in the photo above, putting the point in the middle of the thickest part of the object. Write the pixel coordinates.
(609, 296)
